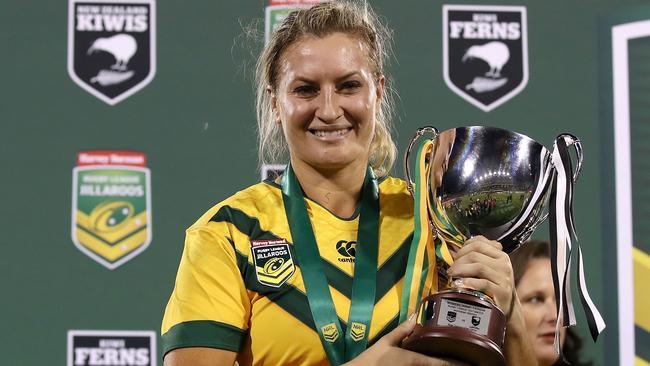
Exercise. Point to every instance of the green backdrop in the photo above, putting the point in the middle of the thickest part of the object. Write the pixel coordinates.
(195, 122)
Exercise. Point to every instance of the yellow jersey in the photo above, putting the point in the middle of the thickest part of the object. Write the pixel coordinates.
(240, 288)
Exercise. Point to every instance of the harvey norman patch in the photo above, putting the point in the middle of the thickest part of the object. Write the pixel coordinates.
(111, 46)
(111, 205)
(273, 261)
(111, 348)
(485, 52)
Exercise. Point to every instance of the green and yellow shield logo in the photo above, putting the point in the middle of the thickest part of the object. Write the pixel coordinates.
(273, 261)
(330, 332)
(357, 331)
(111, 206)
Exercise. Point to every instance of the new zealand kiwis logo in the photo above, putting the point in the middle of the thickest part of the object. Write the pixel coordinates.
(347, 249)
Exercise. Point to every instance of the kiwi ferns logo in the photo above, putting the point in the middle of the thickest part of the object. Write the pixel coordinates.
(111, 206)
(111, 46)
(485, 52)
(111, 348)
(273, 261)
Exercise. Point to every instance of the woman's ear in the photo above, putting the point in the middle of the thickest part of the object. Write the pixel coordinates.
(381, 80)
(274, 105)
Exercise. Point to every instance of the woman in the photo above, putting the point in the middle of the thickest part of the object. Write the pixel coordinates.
(534, 283)
(308, 269)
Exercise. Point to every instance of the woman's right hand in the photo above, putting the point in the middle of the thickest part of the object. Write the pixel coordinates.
(387, 351)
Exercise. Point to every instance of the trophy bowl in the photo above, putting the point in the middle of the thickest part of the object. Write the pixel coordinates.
(481, 181)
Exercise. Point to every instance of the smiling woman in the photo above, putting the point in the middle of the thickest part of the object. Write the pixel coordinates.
(326, 102)
(263, 278)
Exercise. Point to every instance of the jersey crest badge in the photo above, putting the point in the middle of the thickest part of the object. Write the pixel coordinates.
(485, 52)
(111, 206)
(273, 261)
(111, 46)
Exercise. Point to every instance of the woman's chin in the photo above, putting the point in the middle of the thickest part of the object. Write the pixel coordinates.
(546, 354)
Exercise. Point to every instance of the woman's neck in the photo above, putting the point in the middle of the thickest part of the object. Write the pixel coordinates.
(337, 190)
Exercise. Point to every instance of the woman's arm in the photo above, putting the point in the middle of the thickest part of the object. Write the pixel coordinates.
(200, 356)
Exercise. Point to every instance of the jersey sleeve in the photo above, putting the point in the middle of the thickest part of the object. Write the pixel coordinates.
(209, 306)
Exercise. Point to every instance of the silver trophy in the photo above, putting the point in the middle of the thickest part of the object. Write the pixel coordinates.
(496, 183)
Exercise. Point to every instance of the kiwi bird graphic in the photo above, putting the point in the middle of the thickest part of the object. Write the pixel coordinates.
(121, 46)
(495, 54)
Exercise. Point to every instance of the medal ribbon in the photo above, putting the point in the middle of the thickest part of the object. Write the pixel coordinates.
(420, 260)
(338, 349)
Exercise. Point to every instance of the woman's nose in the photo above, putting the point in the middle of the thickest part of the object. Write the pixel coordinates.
(550, 311)
(328, 109)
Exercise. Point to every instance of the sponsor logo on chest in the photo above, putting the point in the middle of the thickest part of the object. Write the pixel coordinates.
(347, 250)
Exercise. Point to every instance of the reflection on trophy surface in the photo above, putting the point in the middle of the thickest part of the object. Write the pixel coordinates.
(480, 181)
(490, 182)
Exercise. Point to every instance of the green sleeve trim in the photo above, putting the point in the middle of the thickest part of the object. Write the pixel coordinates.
(203, 333)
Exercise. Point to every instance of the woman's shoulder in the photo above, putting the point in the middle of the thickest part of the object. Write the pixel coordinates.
(391, 186)
(251, 201)
(394, 195)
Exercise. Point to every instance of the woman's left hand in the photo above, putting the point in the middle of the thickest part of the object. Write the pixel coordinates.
(482, 265)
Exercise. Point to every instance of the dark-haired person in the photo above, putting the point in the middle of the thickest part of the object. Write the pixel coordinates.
(260, 280)
(534, 282)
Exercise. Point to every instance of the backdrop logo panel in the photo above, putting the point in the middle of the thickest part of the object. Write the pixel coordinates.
(111, 206)
(272, 171)
(485, 52)
(111, 46)
(630, 47)
(278, 10)
(111, 348)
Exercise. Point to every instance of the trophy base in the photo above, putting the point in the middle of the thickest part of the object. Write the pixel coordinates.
(460, 324)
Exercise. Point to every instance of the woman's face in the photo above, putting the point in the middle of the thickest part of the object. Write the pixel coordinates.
(537, 296)
(326, 101)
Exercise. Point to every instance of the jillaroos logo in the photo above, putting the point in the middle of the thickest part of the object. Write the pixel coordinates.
(273, 261)
(111, 206)
(111, 46)
(347, 249)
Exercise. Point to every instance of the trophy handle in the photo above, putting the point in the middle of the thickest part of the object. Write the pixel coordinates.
(575, 142)
(419, 133)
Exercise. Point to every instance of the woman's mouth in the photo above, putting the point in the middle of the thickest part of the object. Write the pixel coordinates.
(548, 337)
(328, 134)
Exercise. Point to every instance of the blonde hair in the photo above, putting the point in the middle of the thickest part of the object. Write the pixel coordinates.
(320, 20)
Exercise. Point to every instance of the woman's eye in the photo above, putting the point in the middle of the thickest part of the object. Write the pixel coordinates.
(535, 300)
(350, 85)
(305, 90)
